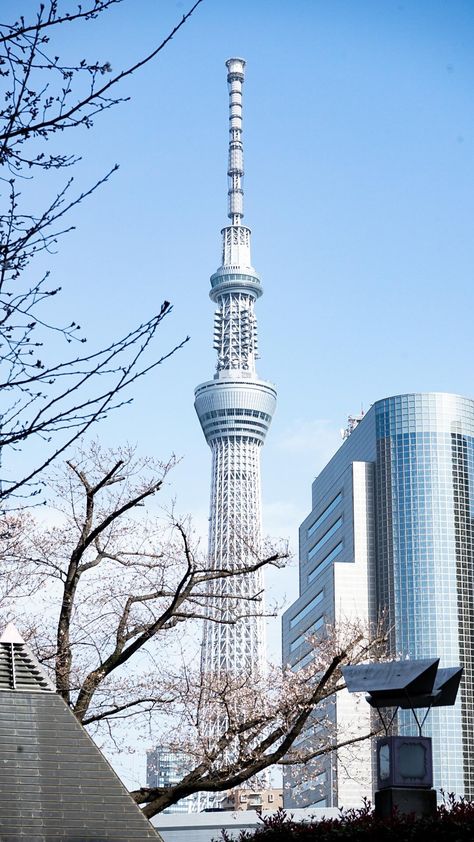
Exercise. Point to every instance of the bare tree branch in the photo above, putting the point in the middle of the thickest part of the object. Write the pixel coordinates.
(63, 120)
(47, 399)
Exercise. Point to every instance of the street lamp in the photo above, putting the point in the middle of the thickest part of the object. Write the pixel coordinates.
(404, 764)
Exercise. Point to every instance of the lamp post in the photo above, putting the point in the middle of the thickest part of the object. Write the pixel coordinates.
(404, 763)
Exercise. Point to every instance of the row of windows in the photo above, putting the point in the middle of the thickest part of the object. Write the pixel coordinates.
(303, 662)
(312, 783)
(309, 733)
(213, 424)
(229, 435)
(323, 540)
(327, 511)
(325, 562)
(303, 636)
(219, 413)
(428, 425)
(443, 462)
(307, 608)
(431, 442)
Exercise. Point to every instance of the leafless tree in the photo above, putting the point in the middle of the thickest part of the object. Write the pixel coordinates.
(117, 593)
(50, 394)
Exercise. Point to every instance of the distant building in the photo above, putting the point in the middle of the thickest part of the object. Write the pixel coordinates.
(391, 529)
(248, 799)
(165, 768)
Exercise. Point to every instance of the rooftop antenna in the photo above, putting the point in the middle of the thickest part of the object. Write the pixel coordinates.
(352, 423)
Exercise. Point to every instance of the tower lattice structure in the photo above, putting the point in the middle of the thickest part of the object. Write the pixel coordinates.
(235, 410)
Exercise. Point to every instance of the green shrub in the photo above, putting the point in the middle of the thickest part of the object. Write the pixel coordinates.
(453, 822)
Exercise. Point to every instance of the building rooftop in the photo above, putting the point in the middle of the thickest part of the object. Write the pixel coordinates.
(55, 783)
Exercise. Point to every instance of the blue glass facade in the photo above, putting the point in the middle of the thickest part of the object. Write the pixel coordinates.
(425, 562)
(420, 570)
(165, 768)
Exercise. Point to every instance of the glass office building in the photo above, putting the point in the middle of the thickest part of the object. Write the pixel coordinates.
(165, 768)
(409, 528)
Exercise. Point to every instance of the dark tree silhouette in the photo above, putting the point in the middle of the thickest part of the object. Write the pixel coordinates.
(46, 393)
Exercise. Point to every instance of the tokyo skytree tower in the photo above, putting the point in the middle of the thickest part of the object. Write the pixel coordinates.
(235, 410)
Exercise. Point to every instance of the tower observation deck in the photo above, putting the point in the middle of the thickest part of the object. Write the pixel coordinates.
(235, 409)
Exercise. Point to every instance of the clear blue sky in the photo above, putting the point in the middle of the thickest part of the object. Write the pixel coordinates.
(359, 153)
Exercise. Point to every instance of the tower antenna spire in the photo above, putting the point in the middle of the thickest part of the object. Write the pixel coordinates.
(235, 171)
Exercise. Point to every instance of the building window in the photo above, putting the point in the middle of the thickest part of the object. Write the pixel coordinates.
(327, 535)
(307, 608)
(312, 783)
(325, 562)
(303, 662)
(322, 517)
(302, 637)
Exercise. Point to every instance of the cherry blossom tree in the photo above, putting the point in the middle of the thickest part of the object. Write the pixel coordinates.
(270, 723)
(120, 595)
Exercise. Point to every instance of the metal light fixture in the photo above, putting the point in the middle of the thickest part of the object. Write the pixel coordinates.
(404, 763)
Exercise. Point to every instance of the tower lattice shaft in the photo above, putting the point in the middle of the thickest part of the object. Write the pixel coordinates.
(235, 410)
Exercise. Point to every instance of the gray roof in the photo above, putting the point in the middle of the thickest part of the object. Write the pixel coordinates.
(19, 669)
(55, 784)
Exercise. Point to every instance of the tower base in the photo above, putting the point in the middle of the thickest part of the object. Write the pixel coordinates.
(405, 800)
